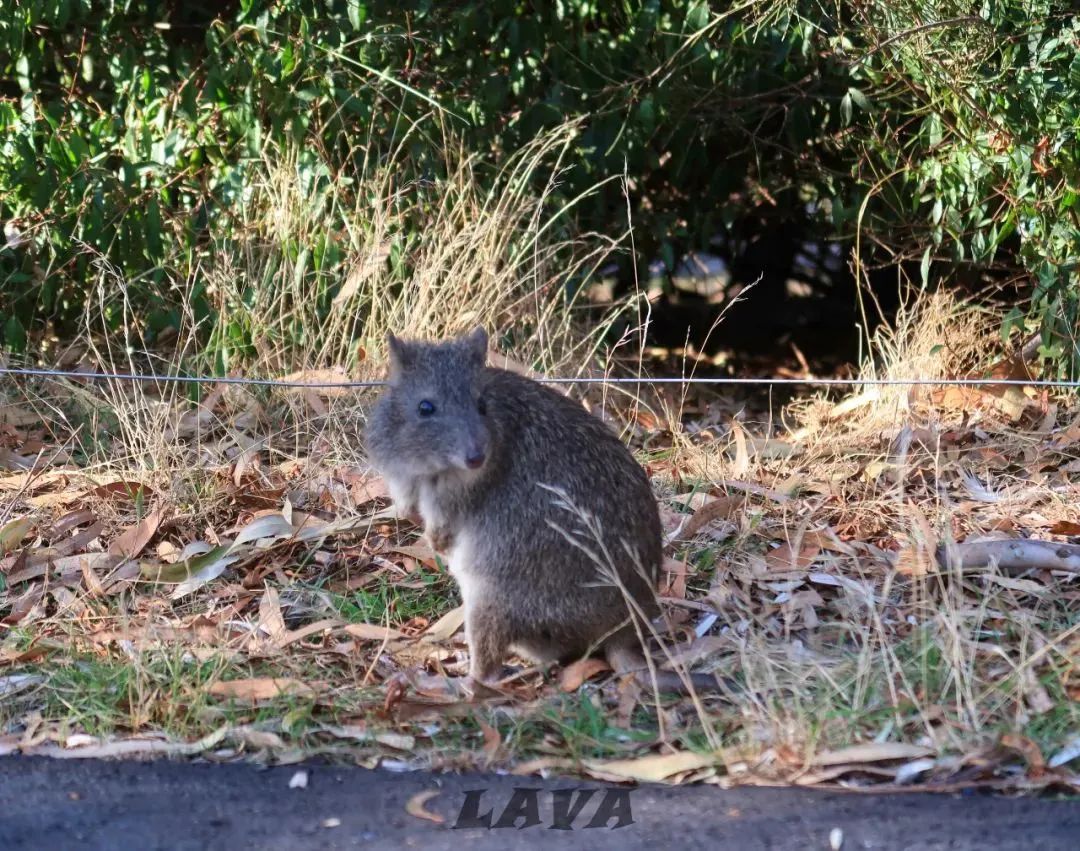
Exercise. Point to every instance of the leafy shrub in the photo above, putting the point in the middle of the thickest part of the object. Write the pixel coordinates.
(943, 136)
(972, 146)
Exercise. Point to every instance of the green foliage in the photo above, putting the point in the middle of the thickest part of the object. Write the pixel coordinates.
(136, 136)
(974, 139)
(133, 133)
(136, 132)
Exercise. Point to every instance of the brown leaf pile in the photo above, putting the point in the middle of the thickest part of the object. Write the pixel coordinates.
(896, 605)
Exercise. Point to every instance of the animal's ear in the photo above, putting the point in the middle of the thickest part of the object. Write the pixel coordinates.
(400, 353)
(477, 343)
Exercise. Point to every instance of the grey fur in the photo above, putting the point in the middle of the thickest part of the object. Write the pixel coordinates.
(528, 566)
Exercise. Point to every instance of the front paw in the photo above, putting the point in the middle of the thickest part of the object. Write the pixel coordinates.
(441, 540)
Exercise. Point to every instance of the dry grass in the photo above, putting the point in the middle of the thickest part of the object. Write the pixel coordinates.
(494, 257)
(491, 257)
(827, 574)
(803, 558)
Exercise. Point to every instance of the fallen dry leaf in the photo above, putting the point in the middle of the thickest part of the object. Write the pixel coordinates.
(307, 630)
(575, 674)
(194, 573)
(360, 733)
(1024, 586)
(134, 539)
(1067, 754)
(314, 377)
(372, 632)
(1067, 437)
(90, 579)
(721, 508)
(870, 752)
(55, 500)
(653, 768)
(1011, 404)
(542, 765)
(1028, 750)
(68, 567)
(260, 738)
(447, 625)
(261, 688)
(415, 806)
(270, 619)
(741, 464)
(13, 532)
(130, 747)
(675, 578)
(69, 521)
(76, 542)
(18, 417)
(367, 488)
(35, 482)
(27, 607)
(420, 552)
(131, 491)
(783, 559)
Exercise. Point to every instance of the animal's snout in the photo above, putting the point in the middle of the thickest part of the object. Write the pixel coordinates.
(475, 458)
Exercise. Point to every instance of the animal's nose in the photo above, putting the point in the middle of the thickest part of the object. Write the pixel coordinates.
(475, 459)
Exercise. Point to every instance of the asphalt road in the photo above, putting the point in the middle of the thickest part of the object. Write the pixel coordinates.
(83, 804)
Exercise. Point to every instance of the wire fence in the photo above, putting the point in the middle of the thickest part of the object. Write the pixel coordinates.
(683, 380)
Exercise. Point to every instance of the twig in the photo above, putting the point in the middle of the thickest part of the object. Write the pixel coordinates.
(948, 22)
(1013, 554)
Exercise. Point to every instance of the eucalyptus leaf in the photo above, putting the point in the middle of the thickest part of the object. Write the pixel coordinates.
(204, 569)
(267, 526)
(12, 533)
(183, 569)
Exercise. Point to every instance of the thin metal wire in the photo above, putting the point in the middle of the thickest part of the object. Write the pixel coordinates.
(823, 382)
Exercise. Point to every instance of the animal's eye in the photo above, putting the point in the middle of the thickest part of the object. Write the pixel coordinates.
(425, 408)
(481, 407)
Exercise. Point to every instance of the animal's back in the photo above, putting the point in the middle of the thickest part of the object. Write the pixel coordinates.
(567, 500)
